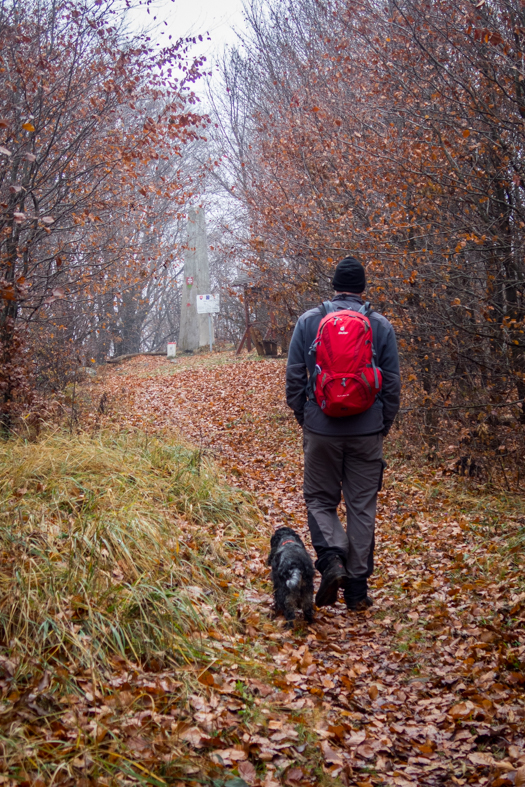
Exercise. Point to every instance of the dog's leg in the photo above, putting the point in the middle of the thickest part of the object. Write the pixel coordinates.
(289, 612)
(284, 603)
(277, 607)
(279, 596)
(307, 601)
(308, 611)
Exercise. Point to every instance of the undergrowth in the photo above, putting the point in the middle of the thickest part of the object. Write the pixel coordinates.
(115, 588)
(114, 545)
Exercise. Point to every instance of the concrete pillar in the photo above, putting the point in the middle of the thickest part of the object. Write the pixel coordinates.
(194, 330)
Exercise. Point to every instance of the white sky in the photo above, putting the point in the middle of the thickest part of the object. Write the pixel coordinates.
(219, 18)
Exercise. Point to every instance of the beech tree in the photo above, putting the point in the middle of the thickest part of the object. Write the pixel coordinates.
(89, 115)
(395, 133)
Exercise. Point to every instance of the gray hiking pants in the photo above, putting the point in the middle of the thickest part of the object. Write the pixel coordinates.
(353, 466)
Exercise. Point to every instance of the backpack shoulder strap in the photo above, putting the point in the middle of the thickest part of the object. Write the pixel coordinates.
(327, 307)
(366, 309)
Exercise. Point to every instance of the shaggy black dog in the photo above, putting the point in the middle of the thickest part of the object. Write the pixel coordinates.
(292, 575)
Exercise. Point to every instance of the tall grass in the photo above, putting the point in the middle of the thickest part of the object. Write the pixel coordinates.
(115, 554)
(114, 546)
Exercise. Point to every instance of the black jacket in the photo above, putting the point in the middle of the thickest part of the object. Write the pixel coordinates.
(301, 365)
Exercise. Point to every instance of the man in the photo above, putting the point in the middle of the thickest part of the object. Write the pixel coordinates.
(343, 453)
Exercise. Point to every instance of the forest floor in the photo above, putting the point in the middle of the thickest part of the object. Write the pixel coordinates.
(425, 688)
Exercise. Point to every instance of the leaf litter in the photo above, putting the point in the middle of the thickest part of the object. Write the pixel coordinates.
(426, 688)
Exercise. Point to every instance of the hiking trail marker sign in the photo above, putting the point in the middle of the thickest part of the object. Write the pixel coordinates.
(208, 304)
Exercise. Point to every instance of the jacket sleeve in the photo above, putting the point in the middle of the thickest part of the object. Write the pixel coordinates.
(390, 393)
(296, 373)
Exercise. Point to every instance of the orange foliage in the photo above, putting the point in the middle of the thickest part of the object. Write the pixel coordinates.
(92, 121)
(395, 133)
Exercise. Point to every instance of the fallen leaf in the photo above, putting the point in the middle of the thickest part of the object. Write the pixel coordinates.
(337, 730)
(306, 660)
(206, 678)
(247, 772)
(270, 781)
(262, 688)
(228, 756)
(366, 751)
(481, 758)
(194, 736)
(294, 775)
(355, 738)
(330, 755)
(461, 710)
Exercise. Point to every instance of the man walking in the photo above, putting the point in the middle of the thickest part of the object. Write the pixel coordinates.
(343, 453)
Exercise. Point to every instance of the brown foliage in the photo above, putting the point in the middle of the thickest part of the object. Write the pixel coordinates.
(92, 119)
(395, 133)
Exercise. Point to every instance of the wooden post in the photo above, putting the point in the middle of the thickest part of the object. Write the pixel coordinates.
(245, 335)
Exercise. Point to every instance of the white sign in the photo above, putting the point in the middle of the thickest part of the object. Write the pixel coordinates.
(208, 304)
(172, 349)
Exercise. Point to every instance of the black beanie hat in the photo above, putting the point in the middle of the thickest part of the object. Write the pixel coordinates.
(349, 276)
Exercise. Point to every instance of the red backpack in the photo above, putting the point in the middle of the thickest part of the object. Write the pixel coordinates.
(346, 380)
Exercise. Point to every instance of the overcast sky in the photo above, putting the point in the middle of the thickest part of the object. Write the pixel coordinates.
(219, 18)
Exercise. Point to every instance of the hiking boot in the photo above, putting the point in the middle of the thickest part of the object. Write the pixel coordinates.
(359, 606)
(356, 595)
(334, 577)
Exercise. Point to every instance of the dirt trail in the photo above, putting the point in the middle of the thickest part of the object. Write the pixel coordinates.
(427, 687)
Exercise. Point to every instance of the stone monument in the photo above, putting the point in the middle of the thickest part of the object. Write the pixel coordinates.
(194, 330)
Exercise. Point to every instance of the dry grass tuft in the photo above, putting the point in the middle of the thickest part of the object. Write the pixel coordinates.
(111, 545)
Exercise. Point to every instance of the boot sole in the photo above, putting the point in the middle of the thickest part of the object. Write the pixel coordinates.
(360, 606)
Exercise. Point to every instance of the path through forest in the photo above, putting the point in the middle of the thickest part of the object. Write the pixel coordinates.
(424, 689)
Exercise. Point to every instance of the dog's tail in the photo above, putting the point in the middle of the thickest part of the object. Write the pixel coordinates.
(294, 580)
